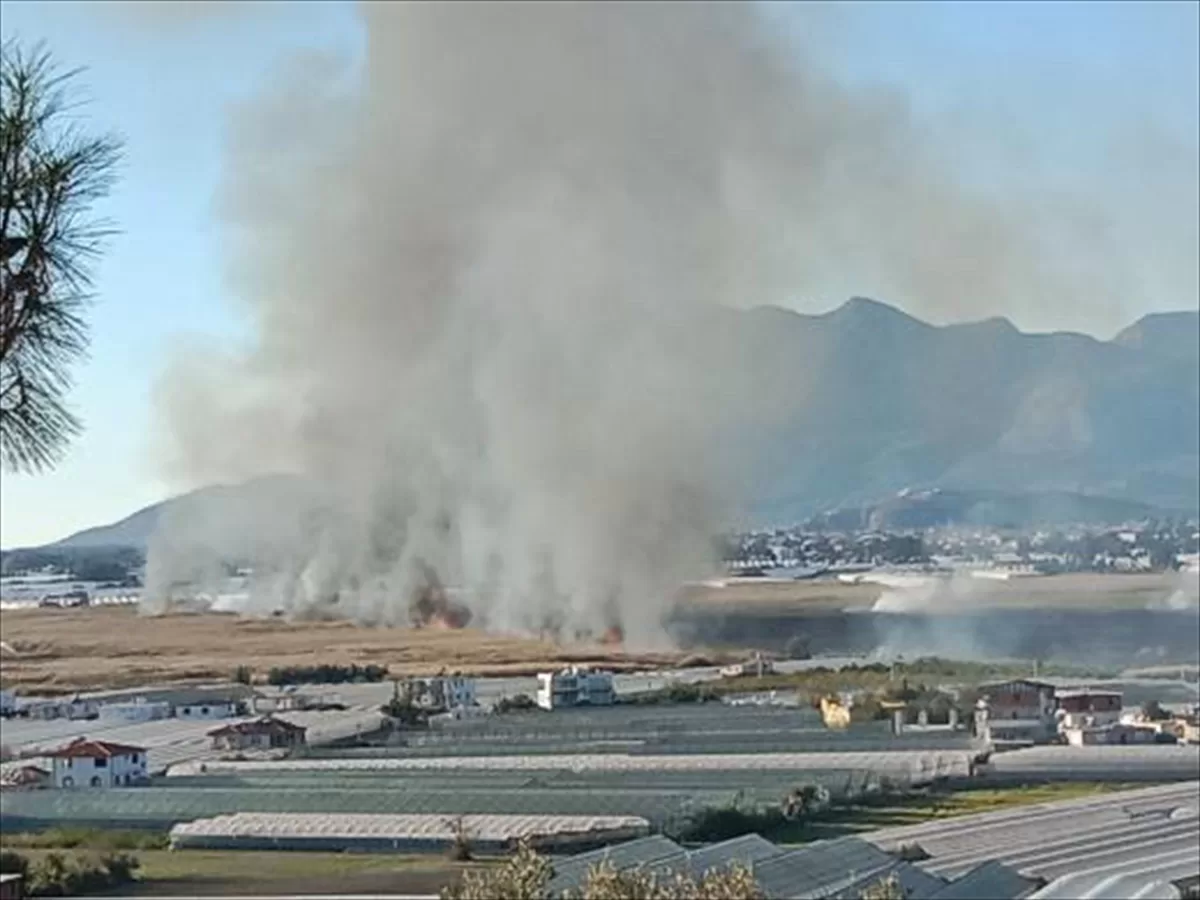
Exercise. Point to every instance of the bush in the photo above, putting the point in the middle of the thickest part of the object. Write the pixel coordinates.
(1154, 712)
(325, 673)
(13, 863)
(460, 847)
(604, 883)
(888, 888)
(719, 823)
(515, 703)
(526, 874)
(677, 692)
(913, 852)
(522, 877)
(68, 838)
(243, 675)
(59, 875)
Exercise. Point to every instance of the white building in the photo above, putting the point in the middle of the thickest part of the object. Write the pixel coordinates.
(84, 763)
(575, 686)
(460, 692)
(138, 710)
(203, 709)
(56, 708)
(441, 693)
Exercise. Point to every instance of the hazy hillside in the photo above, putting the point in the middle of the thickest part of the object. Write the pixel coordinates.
(847, 408)
(868, 401)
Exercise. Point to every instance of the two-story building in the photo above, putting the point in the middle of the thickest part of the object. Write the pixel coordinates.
(575, 686)
(1019, 710)
(1088, 708)
(88, 763)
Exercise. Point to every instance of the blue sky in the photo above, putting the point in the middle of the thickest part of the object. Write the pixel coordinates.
(1056, 74)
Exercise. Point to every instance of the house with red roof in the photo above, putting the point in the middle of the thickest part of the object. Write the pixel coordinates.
(260, 734)
(88, 763)
(24, 777)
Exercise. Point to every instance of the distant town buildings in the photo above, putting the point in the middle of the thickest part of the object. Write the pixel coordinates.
(574, 686)
(810, 551)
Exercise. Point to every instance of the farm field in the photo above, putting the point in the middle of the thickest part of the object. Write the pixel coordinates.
(112, 646)
(212, 873)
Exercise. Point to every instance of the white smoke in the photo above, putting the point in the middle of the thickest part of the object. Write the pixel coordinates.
(486, 274)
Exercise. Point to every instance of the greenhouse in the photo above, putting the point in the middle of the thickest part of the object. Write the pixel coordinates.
(402, 833)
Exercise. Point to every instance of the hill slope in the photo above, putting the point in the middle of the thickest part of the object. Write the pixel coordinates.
(868, 401)
(854, 405)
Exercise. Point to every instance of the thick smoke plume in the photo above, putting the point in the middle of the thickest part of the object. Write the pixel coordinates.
(485, 272)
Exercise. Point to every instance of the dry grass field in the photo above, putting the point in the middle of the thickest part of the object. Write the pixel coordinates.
(63, 650)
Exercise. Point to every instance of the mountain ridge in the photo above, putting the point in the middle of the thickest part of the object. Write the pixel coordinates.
(867, 400)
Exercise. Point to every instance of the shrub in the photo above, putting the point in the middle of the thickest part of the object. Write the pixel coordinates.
(913, 852)
(12, 862)
(526, 874)
(460, 846)
(243, 675)
(325, 673)
(523, 876)
(1154, 712)
(888, 888)
(59, 875)
(120, 867)
(515, 703)
(68, 838)
(720, 823)
(605, 883)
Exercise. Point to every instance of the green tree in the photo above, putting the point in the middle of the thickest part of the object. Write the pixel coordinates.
(51, 175)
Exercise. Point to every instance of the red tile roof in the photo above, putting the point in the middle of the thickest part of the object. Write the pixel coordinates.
(25, 775)
(266, 724)
(82, 747)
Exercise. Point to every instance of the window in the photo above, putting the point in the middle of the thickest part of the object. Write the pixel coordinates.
(133, 757)
(97, 781)
(68, 781)
(204, 710)
(101, 762)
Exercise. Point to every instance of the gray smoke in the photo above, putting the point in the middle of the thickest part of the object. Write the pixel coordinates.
(486, 272)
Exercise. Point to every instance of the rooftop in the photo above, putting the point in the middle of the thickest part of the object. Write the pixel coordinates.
(81, 747)
(266, 724)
